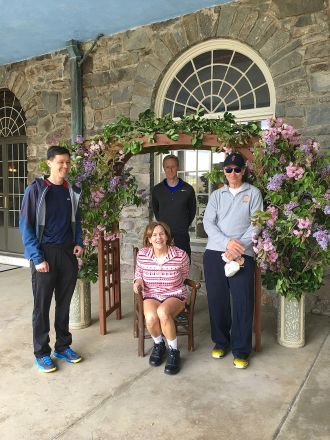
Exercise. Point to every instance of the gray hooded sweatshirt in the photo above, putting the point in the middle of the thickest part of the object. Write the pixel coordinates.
(227, 216)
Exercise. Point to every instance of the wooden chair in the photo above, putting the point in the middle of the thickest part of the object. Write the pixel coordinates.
(184, 322)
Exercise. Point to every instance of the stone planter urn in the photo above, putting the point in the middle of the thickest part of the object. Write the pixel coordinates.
(80, 308)
(291, 322)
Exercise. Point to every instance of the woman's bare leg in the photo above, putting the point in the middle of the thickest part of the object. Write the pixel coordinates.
(150, 307)
(166, 312)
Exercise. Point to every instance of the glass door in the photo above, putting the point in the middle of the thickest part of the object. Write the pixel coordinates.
(13, 180)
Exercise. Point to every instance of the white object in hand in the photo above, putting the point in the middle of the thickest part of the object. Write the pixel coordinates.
(231, 267)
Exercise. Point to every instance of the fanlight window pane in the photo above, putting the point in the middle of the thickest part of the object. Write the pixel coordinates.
(247, 101)
(241, 62)
(202, 60)
(185, 72)
(217, 81)
(255, 76)
(262, 95)
(222, 56)
(173, 90)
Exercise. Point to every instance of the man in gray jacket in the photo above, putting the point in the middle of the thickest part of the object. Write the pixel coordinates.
(227, 222)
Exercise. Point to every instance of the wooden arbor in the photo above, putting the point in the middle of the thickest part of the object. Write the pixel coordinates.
(109, 255)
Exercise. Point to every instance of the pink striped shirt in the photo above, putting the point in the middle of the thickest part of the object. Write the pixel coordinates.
(164, 280)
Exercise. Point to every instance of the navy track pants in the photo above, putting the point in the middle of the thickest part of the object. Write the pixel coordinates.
(231, 303)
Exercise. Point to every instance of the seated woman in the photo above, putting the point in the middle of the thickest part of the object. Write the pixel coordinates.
(160, 272)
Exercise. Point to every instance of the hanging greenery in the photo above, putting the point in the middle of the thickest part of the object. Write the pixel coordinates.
(132, 134)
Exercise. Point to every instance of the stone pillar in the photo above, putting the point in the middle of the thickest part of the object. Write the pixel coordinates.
(80, 308)
(291, 322)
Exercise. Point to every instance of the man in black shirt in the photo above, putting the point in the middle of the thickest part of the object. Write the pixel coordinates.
(52, 237)
(174, 203)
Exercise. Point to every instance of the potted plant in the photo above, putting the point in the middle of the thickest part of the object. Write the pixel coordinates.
(293, 246)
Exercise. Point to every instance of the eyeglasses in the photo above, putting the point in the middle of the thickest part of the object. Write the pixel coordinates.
(230, 170)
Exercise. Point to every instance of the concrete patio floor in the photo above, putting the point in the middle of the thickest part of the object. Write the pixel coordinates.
(113, 394)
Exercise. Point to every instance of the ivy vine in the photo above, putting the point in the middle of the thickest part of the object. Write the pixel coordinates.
(129, 134)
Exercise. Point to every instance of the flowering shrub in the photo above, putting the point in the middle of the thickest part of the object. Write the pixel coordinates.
(293, 246)
(106, 188)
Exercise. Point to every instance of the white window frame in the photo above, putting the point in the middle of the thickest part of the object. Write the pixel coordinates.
(240, 115)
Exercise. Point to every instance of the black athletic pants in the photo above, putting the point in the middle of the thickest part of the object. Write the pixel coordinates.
(61, 278)
(231, 303)
(182, 241)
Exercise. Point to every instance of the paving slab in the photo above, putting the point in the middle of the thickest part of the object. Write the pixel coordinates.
(114, 394)
(309, 417)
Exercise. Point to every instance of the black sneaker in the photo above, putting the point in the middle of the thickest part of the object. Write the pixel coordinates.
(173, 361)
(157, 354)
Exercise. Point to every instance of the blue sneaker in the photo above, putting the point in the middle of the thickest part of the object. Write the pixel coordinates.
(45, 364)
(68, 355)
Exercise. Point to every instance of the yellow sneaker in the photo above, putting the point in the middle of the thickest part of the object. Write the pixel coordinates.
(241, 363)
(218, 353)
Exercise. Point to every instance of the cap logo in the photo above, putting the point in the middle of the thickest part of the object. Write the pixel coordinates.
(233, 157)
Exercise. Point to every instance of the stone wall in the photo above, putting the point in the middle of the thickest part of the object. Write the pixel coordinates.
(122, 75)
(42, 87)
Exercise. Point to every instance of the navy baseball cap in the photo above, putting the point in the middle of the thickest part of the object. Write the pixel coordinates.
(235, 159)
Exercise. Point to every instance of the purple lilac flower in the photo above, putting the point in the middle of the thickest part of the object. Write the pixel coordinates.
(278, 130)
(275, 182)
(322, 237)
(295, 172)
(270, 137)
(290, 133)
(327, 210)
(325, 171)
(289, 207)
(89, 166)
(274, 212)
(114, 183)
(304, 223)
(97, 195)
(327, 195)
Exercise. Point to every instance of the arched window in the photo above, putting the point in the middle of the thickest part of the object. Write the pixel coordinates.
(218, 76)
(215, 76)
(12, 118)
(13, 169)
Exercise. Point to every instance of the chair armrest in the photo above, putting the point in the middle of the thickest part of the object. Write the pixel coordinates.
(193, 284)
(139, 292)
